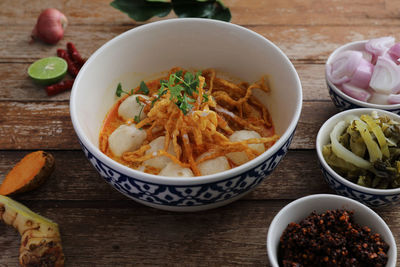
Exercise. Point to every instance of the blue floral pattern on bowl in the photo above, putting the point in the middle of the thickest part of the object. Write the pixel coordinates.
(340, 102)
(167, 195)
(363, 197)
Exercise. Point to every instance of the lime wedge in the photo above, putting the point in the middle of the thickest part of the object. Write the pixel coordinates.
(48, 70)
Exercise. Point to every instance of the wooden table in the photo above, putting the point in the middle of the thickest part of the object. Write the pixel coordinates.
(101, 227)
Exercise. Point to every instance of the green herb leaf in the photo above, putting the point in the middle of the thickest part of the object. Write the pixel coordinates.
(162, 91)
(188, 77)
(179, 73)
(205, 98)
(212, 9)
(142, 10)
(175, 91)
(191, 82)
(137, 117)
(184, 105)
(143, 88)
(119, 90)
(180, 89)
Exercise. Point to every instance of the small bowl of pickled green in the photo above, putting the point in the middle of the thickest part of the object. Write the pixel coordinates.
(359, 155)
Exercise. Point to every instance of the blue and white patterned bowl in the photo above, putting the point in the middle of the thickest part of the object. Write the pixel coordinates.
(369, 196)
(144, 53)
(343, 101)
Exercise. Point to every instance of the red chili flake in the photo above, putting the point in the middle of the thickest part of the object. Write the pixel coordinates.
(331, 239)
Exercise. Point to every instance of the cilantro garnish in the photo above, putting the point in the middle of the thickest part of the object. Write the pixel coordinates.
(183, 103)
(205, 98)
(181, 88)
(143, 88)
(120, 91)
(162, 91)
(137, 117)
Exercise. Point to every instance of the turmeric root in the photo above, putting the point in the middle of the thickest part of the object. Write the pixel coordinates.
(28, 174)
(40, 237)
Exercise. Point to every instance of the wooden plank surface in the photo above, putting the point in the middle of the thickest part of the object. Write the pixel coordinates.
(128, 234)
(29, 125)
(299, 42)
(75, 179)
(101, 227)
(16, 86)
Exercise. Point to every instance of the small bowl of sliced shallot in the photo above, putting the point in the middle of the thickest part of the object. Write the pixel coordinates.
(365, 74)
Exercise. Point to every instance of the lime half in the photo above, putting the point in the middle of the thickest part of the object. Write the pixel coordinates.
(48, 70)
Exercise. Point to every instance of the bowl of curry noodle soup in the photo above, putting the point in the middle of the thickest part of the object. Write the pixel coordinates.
(186, 114)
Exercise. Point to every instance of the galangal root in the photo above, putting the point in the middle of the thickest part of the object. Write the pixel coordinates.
(40, 237)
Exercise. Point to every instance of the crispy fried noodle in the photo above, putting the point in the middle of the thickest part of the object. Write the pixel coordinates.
(197, 115)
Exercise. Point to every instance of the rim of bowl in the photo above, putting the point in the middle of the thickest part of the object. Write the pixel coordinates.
(314, 198)
(346, 47)
(329, 123)
(196, 179)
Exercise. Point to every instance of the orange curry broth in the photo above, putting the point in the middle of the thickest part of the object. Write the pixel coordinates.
(112, 121)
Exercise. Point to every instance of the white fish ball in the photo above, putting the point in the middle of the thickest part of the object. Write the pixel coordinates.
(240, 157)
(130, 108)
(175, 170)
(212, 166)
(126, 138)
(160, 161)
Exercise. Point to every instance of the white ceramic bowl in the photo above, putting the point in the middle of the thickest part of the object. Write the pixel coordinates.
(369, 196)
(302, 207)
(340, 99)
(144, 53)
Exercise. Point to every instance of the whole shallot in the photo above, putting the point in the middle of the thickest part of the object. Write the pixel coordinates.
(50, 26)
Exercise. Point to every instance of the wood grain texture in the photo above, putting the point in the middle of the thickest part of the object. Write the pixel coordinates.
(101, 227)
(301, 43)
(15, 85)
(47, 125)
(75, 179)
(129, 234)
(126, 233)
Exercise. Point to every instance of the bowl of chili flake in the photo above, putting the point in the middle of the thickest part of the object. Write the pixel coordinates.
(329, 230)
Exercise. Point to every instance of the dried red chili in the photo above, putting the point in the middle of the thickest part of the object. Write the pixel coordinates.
(331, 239)
(75, 55)
(72, 68)
(59, 87)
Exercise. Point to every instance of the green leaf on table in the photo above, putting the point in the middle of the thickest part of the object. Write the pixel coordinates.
(142, 10)
(212, 9)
